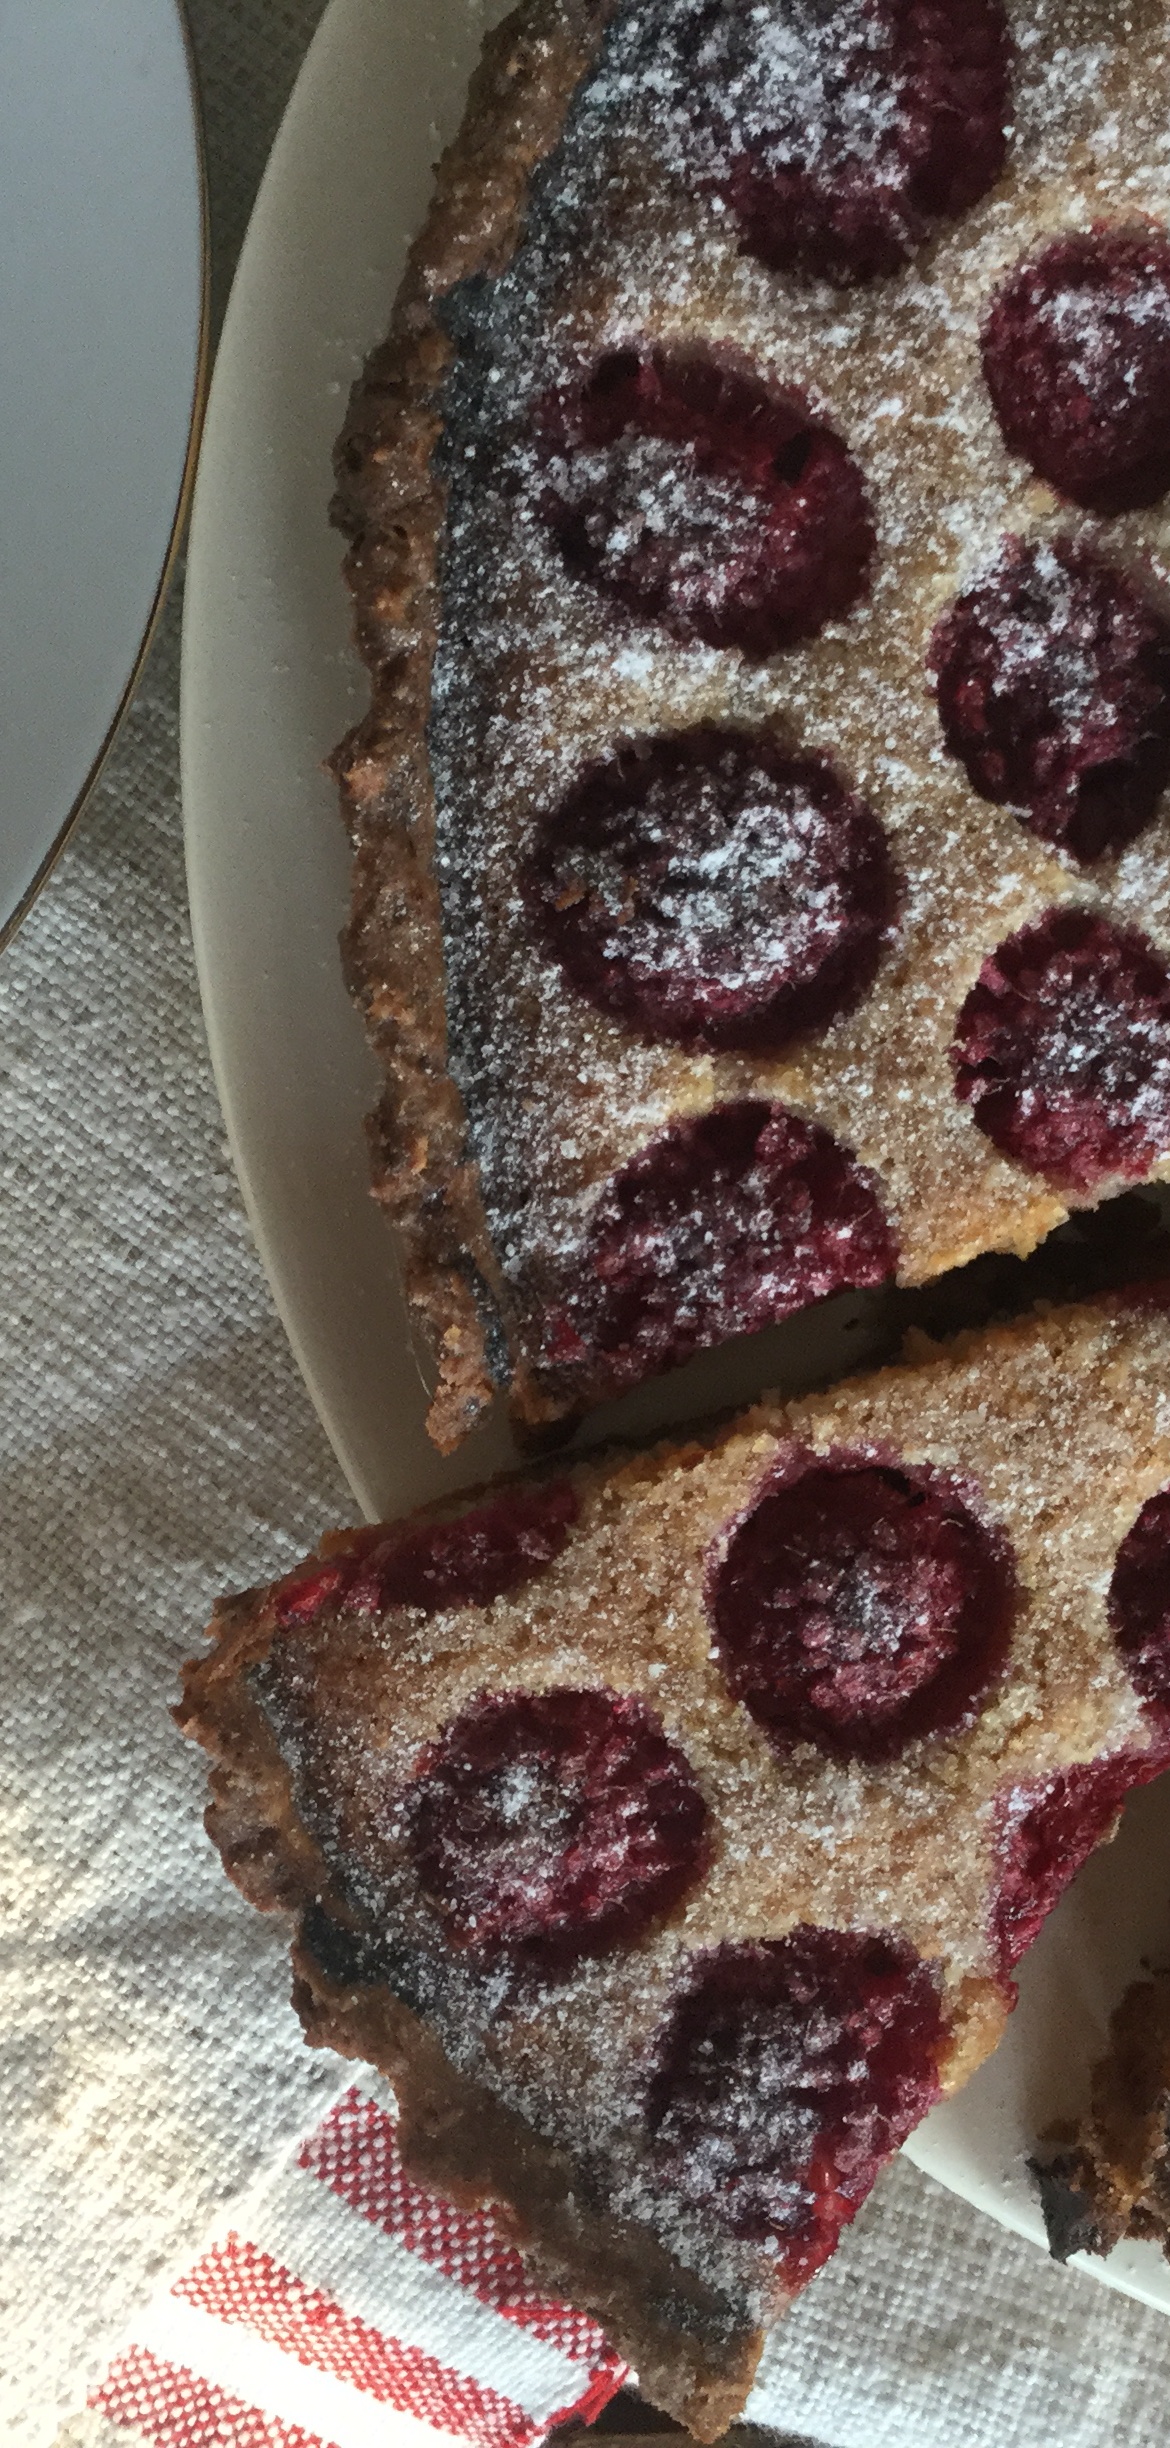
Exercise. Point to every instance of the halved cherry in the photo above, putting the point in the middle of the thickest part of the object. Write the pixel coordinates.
(721, 1225)
(1062, 1050)
(1045, 1832)
(1054, 690)
(1076, 354)
(705, 498)
(468, 1560)
(711, 887)
(840, 136)
(1139, 1600)
(554, 1824)
(786, 2072)
(859, 1603)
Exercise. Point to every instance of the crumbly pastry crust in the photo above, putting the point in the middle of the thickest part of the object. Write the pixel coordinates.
(1110, 2177)
(692, 2357)
(1058, 1432)
(390, 502)
(510, 1102)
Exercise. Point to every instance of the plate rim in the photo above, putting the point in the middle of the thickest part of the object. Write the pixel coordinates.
(200, 388)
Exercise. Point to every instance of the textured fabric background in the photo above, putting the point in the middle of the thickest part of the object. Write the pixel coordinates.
(156, 1445)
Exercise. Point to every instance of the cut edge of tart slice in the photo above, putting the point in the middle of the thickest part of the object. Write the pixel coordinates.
(693, 2357)
(667, 1831)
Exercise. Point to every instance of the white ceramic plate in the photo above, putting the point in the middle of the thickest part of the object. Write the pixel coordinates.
(102, 311)
(269, 686)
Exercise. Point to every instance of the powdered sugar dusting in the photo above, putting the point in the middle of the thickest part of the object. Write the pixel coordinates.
(656, 488)
(809, 83)
(757, 862)
(1087, 326)
(537, 675)
(1028, 650)
(714, 891)
(1063, 1051)
(1053, 675)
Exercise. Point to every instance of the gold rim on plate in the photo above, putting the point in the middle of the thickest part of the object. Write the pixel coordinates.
(8, 926)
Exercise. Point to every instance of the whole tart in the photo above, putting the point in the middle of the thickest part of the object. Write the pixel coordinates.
(760, 553)
(667, 1830)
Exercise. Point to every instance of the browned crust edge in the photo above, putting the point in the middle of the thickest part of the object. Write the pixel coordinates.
(1110, 2178)
(391, 503)
(692, 2358)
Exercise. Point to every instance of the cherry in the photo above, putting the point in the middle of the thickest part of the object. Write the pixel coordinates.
(1046, 1831)
(703, 497)
(554, 1824)
(711, 888)
(1076, 355)
(845, 135)
(479, 1555)
(859, 1603)
(1139, 1600)
(786, 2073)
(1054, 691)
(1062, 1049)
(721, 1225)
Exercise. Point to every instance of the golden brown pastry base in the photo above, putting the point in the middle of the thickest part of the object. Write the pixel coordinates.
(390, 503)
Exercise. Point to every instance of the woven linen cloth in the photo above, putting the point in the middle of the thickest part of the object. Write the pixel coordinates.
(156, 1445)
(339, 2302)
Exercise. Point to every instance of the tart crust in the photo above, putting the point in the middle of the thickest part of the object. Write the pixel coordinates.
(1111, 2176)
(693, 2357)
(390, 503)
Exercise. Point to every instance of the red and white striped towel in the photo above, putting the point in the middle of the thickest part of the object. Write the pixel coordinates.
(343, 2307)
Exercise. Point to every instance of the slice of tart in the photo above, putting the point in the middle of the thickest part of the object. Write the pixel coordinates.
(667, 1830)
(759, 547)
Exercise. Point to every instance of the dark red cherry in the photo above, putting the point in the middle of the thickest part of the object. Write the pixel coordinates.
(1139, 1600)
(554, 1824)
(720, 1226)
(1062, 1050)
(712, 888)
(1046, 1831)
(859, 1603)
(704, 498)
(1076, 353)
(1054, 690)
(466, 1561)
(786, 2073)
(840, 136)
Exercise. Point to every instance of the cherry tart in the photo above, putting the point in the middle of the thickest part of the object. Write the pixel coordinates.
(759, 547)
(667, 1830)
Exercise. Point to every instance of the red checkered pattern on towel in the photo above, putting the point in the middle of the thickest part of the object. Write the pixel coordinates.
(347, 2308)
